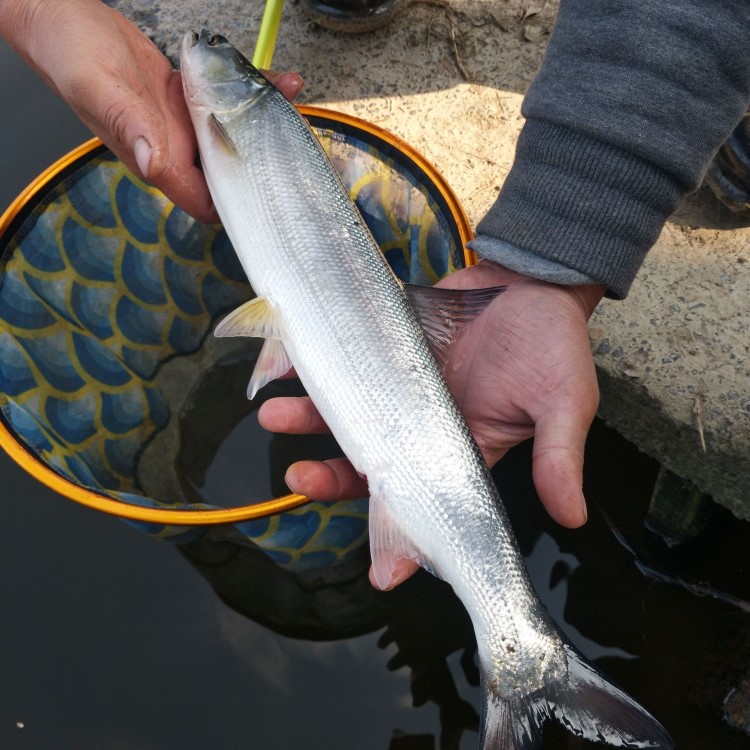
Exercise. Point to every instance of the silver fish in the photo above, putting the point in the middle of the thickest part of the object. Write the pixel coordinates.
(329, 305)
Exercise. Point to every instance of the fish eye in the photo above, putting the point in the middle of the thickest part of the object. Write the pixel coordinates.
(215, 40)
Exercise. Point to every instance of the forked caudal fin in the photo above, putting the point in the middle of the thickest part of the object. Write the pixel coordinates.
(585, 703)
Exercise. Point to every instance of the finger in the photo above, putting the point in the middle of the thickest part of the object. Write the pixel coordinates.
(288, 375)
(291, 415)
(290, 84)
(326, 480)
(158, 146)
(180, 176)
(557, 467)
(402, 570)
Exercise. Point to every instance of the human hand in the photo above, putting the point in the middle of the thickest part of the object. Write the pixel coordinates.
(522, 368)
(122, 88)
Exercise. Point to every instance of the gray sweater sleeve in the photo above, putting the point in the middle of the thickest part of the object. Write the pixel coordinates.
(633, 99)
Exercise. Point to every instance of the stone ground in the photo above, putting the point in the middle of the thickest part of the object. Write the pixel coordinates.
(448, 76)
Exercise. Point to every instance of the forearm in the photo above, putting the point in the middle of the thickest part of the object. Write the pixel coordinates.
(47, 35)
(16, 21)
(631, 103)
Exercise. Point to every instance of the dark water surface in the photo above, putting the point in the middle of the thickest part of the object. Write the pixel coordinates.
(111, 640)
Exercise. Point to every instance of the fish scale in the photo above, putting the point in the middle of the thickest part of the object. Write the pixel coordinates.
(329, 305)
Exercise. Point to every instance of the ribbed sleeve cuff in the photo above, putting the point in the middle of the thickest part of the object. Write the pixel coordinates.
(582, 203)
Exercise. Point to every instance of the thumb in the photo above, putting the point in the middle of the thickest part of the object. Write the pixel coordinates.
(123, 120)
(156, 141)
(557, 467)
(130, 128)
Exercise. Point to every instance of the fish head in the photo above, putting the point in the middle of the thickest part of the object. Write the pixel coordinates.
(216, 76)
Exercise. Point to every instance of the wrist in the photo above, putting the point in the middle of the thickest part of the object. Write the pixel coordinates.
(587, 296)
(581, 204)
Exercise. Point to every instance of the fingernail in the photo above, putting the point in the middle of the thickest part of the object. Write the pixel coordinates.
(142, 153)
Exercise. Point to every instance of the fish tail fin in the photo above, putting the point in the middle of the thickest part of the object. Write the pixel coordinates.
(585, 702)
(512, 724)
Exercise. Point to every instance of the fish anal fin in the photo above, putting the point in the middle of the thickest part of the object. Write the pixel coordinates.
(255, 318)
(444, 313)
(273, 362)
(389, 545)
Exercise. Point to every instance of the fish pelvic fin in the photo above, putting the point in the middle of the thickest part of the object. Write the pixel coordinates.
(585, 702)
(259, 319)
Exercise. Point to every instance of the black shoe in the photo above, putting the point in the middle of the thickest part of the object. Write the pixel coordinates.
(353, 16)
(729, 173)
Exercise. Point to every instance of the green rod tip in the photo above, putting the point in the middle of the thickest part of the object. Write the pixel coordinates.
(269, 29)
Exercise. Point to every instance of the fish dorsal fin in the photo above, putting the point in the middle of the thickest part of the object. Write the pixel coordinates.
(273, 362)
(444, 313)
(220, 134)
(255, 318)
(388, 544)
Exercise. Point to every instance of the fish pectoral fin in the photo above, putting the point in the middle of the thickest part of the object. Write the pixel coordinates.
(273, 362)
(255, 318)
(388, 545)
(444, 313)
(220, 135)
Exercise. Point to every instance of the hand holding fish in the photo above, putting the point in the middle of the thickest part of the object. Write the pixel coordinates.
(121, 87)
(523, 368)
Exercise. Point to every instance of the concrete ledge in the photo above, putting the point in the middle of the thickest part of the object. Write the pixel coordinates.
(674, 358)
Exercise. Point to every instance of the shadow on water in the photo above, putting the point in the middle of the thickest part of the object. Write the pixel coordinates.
(108, 639)
(670, 625)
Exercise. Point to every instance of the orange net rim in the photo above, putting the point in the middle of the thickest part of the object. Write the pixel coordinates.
(196, 516)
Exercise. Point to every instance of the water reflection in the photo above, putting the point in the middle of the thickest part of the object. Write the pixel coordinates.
(633, 627)
(421, 624)
(123, 645)
(691, 651)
